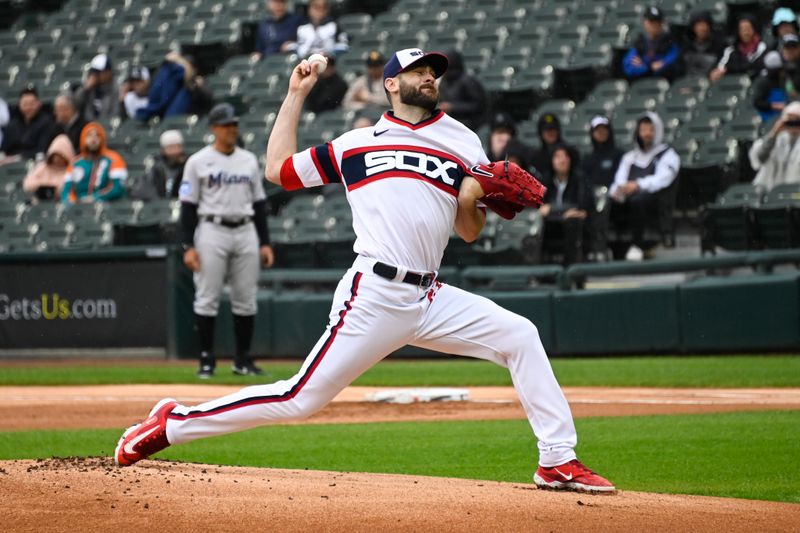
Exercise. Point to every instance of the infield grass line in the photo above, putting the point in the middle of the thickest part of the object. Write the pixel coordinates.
(653, 371)
(744, 455)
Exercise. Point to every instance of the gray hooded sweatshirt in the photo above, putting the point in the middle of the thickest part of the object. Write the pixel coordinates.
(654, 169)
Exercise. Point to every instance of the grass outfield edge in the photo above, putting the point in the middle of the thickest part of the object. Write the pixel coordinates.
(643, 453)
(653, 371)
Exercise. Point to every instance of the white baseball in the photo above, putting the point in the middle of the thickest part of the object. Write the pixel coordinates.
(320, 61)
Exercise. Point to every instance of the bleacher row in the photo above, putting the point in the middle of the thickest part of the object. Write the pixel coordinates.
(519, 49)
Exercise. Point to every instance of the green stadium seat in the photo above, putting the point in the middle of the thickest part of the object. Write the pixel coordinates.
(92, 235)
(563, 109)
(735, 84)
(778, 218)
(354, 24)
(590, 13)
(690, 87)
(744, 126)
(728, 223)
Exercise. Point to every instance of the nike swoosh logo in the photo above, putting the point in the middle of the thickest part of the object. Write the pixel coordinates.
(567, 477)
(376, 133)
(130, 445)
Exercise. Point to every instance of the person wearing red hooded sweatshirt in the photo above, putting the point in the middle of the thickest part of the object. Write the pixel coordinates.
(98, 173)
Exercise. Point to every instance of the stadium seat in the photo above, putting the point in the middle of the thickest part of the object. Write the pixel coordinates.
(563, 109)
(728, 222)
(778, 218)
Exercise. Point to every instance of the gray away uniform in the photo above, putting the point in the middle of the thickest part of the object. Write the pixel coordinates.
(224, 188)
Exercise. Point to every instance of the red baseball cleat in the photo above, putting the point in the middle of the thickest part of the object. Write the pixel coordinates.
(140, 441)
(572, 476)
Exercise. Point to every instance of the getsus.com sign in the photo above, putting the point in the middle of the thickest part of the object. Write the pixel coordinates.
(103, 304)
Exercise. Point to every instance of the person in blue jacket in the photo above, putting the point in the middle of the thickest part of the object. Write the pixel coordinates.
(655, 52)
(174, 91)
(278, 31)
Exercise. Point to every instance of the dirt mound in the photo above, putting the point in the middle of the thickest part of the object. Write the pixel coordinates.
(91, 494)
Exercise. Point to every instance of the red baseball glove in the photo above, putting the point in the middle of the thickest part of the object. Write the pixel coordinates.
(508, 188)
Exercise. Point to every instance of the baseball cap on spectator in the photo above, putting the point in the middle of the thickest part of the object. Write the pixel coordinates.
(222, 115)
(654, 13)
(99, 63)
(503, 121)
(408, 58)
(375, 59)
(170, 137)
(599, 120)
(138, 73)
(790, 39)
(783, 15)
(549, 121)
(29, 89)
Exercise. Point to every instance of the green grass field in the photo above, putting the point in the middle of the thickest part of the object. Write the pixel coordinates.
(748, 455)
(705, 371)
(745, 455)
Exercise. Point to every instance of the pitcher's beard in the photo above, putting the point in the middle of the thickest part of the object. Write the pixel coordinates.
(417, 97)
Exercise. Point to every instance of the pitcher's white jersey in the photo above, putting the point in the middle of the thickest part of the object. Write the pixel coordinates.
(402, 183)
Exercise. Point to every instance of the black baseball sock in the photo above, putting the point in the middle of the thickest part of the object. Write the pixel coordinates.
(243, 331)
(204, 326)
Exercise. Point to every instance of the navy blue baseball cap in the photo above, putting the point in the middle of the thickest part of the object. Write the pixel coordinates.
(403, 60)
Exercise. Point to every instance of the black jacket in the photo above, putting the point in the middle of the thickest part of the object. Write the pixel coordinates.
(73, 131)
(576, 195)
(600, 166)
(28, 139)
(162, 181)
(327, 94)
(464, 93)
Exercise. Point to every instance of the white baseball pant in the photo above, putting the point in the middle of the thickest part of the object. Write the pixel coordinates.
(371, 317)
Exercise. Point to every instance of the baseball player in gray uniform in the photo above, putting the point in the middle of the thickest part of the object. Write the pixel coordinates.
(225, 236)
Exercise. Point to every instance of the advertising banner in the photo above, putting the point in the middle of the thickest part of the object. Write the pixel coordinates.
(83, 304)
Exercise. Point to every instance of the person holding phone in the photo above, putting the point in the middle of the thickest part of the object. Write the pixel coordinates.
(776, 156)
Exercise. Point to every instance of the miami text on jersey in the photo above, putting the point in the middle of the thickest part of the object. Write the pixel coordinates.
(223, 178)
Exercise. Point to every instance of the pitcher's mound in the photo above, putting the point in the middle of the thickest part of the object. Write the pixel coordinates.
(91, 494)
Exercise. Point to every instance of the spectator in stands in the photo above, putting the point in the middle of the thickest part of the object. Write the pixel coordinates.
(784, 22)
(98, 174)
(367, 90)
(745, 55)
(164, 178)
(320, 34)
(278, 32)
(68, 120)
(776, 156)
(643, 191)
(704, 46)
(133, 92)
(599, 168)
(780, 82)
(566, 205)
(460, 95)
(98, 98)
(549, 127)
(5, 116)
(176, 90)
(328, 92)
(503, 141)
(46, 179)
(654, 52)
(362, 121)
(30, 128)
